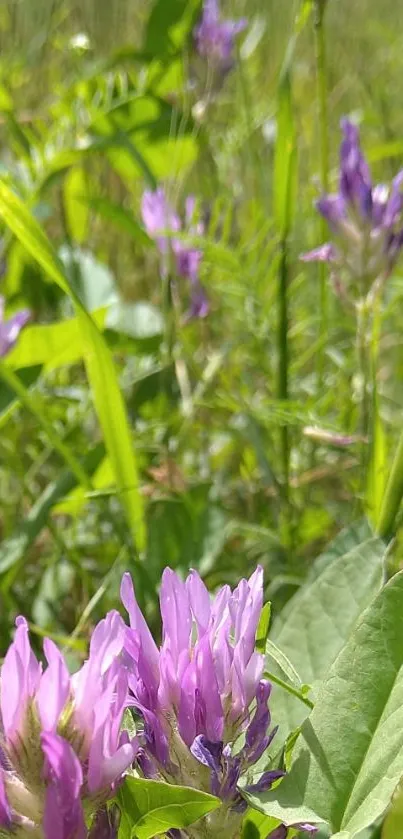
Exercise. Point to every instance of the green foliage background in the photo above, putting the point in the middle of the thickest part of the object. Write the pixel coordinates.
(86, 124)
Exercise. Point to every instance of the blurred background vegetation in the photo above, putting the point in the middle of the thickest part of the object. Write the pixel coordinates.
(98, 101)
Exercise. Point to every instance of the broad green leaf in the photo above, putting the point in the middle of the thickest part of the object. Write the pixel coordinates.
(321, 619)
(139, 320)
(152, 807)
(51, 344)
(92, 281)
(99, 363)
(348, 538)
(349, 757)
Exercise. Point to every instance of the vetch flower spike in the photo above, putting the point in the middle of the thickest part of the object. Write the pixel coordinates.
(161, 223)
(61, 749)
(366, 221)
(204, 703)
(215, 38)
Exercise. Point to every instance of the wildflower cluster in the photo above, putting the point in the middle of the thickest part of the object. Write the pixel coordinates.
(366, 221)
(62, 751)
(200, 705)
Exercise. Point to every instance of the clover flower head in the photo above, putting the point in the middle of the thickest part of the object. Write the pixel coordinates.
(204, 703)
(62, 752)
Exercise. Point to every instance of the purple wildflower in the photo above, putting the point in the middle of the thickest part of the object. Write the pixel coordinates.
(10, 329)
(61, 741)
(366, 221)
(203, 688)
(161, 222)
(214, 38)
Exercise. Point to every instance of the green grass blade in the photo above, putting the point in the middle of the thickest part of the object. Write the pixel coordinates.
(100, 367)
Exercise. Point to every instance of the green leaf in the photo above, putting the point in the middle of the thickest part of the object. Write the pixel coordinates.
(99, 363)
(139, 320)
(348, 538)
(393, 495)
(257, 826)
(120, 216)
(263, 628)
(285, 159)
(51, 344)
(137, 138)
(349, 757)
(168, 25)
(76, 211)
(92, 281)
(393, 827)
(320, 619)
(152, 807)
(27, 376)
(273, 652)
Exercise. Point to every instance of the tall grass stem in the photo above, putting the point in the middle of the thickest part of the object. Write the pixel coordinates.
(322, 107)
(283, 361)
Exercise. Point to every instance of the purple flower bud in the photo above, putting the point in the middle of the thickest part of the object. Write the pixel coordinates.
(266, 781)
(257, 739)
(215, 38)
(208, 681)
(10, 329)
(355, 179)
(61, 734)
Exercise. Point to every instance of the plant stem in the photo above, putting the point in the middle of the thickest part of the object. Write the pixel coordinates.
(321, 93)
(289, 689)
(363, 363)
(393, 496)
(283, 361)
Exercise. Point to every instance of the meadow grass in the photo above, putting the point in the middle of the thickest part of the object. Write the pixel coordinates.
(228, 474)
